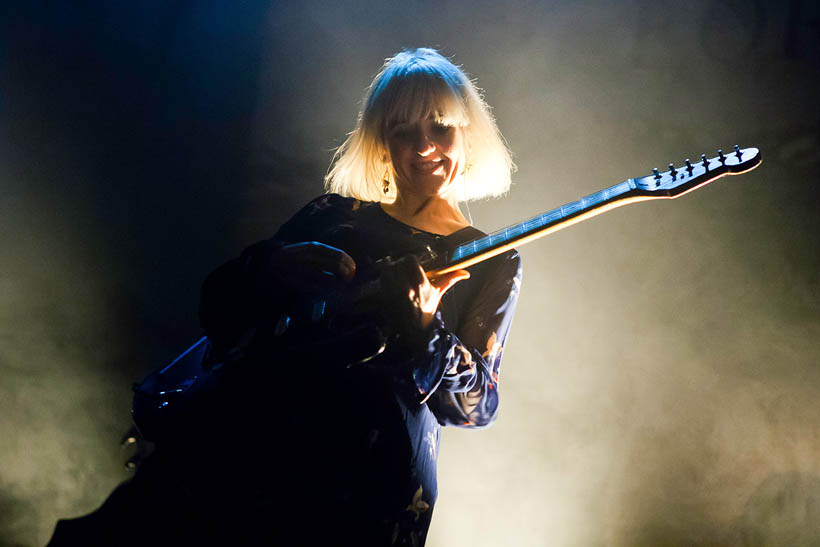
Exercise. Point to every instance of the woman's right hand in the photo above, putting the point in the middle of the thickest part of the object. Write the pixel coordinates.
(311, 267)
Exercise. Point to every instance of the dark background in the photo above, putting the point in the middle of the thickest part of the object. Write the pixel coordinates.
(661, 381)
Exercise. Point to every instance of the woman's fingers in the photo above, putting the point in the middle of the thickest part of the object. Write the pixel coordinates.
(446, 281)
(312, 265)
(326, 258)
(409, 271)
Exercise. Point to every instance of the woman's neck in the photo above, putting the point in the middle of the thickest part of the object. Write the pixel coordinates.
(431, 214)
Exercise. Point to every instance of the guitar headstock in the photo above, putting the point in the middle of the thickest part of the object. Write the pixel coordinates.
(678, 180)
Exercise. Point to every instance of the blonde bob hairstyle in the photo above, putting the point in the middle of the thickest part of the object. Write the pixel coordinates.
(414, 85)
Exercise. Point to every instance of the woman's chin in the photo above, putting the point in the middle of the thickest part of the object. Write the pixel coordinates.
(425, 186)
(431, 188)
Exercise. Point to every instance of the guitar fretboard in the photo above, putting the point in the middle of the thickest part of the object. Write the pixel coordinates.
(535, 224)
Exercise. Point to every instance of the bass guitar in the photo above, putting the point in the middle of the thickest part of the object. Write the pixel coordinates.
(167, 392)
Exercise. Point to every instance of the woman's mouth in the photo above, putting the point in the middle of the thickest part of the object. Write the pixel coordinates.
(428, 166)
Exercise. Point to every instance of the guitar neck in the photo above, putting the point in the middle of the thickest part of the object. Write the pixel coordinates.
(501, 241)
(668, 185)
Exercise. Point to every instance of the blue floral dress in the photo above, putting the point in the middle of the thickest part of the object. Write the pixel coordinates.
(349, 454)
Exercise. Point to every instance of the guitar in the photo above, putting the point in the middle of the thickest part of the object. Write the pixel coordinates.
(167, 392)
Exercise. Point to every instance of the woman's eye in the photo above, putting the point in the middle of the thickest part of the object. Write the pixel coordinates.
(401, 131)
(441, 129)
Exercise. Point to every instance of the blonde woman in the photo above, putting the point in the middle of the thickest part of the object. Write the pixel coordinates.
(303, 450)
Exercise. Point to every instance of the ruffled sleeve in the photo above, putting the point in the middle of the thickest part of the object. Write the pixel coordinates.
(457, 371)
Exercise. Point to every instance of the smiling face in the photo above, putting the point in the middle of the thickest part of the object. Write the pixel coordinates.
(427, 155)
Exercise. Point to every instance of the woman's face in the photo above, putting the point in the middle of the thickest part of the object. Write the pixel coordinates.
(426, 155)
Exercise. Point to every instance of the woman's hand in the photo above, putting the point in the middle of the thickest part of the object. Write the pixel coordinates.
(432, 289)
(311, 267)
(412, 296)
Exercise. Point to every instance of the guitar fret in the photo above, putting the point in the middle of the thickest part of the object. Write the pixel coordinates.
(571, 208)
(555, 214)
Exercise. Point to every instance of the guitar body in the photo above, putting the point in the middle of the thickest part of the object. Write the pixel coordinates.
(197, 383)
(163, 397)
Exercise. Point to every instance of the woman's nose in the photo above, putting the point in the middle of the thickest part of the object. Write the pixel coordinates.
(424, 144)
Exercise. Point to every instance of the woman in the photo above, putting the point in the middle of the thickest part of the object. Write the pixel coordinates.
(301, 449)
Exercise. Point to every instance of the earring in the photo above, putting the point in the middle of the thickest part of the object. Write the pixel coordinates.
(386, 181)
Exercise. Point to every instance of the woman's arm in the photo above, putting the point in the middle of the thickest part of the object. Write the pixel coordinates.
(258, 285)
(457, 372)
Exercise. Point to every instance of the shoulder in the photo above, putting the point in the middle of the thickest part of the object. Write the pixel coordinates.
(319, 213)
(328, 204)
(497, 278)
(507, 267)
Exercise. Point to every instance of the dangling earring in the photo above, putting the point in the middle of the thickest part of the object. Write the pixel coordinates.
(386, 180)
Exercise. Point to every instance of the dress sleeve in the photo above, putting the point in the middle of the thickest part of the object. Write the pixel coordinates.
(457, 375)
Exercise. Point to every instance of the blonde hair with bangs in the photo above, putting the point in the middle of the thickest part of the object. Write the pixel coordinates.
(414, 85)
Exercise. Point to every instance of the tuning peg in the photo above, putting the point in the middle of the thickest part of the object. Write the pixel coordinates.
(721, 156)
(704, 161)
(689, 167)
(655, 174)
(672, 171)
(737, 152)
